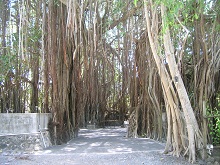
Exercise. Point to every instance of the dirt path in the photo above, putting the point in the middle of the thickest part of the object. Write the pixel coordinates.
(99, 147)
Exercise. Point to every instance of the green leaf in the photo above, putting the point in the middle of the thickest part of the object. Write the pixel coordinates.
(196, 16)
(135, 2)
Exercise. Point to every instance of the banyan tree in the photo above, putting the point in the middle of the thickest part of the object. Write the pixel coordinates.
(85, 61)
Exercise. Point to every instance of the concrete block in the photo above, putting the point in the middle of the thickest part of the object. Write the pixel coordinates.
(19, 123)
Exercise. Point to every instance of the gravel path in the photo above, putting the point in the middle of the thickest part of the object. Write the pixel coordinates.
(99, 147)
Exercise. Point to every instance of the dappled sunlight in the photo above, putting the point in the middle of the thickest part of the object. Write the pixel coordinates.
(102, 132)
(81, 144)
(95, 144)
(69, 149)
(106, 141)
(48, 151)
(120, 149)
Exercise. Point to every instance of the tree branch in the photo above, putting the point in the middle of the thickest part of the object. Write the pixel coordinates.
(64, 2)
(124, 17)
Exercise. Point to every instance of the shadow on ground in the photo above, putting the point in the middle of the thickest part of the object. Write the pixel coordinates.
(99, 147)
(106, 141)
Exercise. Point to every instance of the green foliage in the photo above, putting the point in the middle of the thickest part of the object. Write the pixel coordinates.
(117, 7)
(184, 11)
(217, 132)
(214, 122)
(215, 128)
(6, 64)
(135, 2)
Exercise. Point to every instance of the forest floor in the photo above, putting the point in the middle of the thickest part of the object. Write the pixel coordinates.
(99, 147)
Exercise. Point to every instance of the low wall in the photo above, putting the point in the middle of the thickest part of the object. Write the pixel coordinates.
(24, 132)
(19, 123)
(24, 143)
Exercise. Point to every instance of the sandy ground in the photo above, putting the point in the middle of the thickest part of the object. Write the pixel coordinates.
(99, 147)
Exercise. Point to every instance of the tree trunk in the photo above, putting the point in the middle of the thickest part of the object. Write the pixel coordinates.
(191, 123)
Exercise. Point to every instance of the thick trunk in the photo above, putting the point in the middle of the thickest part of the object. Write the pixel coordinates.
(171, 97)
(191, 122)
